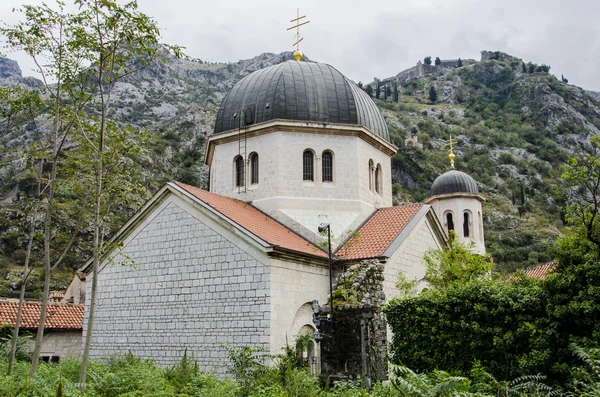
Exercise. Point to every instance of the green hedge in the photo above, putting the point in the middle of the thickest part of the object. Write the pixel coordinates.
(513, 328)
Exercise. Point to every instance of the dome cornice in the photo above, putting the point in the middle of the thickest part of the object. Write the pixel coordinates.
(298, 126)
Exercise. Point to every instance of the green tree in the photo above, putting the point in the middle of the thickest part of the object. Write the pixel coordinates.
(427, 61)
(369, 90)
(524, 67)
(46, 36)
(455, 264)
(111, 37)
(377, 91)
(582, 176)
(563, 79)
(395, 92)
(460, 62)
(360, 84)
(531, 67)
(432, 94)
(543, 68)
(388, 92)
(438, 61)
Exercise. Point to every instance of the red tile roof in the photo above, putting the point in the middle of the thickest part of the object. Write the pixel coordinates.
(255, 221)
(540, 271)
(378, 232)
(59, 315)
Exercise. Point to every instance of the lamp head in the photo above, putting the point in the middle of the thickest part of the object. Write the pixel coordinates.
(323, 227)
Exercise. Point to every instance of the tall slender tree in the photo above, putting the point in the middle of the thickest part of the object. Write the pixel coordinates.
(46, 35)
(114, 36)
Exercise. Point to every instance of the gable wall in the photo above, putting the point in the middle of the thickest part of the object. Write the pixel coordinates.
(408, 258)
(194, 285)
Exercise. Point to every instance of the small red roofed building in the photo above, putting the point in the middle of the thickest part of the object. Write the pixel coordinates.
(63, 328)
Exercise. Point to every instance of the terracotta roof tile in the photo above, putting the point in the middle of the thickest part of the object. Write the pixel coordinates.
(378, 232)
(255, 221)
(59, 315)
(540, 271)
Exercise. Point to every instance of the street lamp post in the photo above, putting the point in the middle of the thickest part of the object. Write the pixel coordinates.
(322, 228)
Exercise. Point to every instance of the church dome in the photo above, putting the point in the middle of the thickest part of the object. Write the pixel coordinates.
(454, 181)
(299, 91)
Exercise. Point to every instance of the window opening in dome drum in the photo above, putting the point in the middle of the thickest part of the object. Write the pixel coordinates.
(466, 225)
(308, 168)
(449, 221)
(253, 168)
(327, 163)
(371, 170)
(239, 171)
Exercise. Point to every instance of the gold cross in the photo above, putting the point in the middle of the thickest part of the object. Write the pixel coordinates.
(298, 37)
(451, 156)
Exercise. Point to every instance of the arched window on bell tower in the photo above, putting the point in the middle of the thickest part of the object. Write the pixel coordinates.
(466, 224)
(449, 221)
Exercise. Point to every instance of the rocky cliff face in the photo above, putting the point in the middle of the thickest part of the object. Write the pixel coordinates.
(514, 132)
(11, 75)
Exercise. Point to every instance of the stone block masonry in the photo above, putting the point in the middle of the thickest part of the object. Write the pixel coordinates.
(190, 287)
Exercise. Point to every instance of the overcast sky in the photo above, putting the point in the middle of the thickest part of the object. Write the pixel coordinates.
(379, 38)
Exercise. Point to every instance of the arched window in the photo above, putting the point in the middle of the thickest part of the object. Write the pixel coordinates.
(480, 226)
(371, 170)
(239, 171)
(449, 221)
(327, 165)
(253, 168)
(378, 179)
(466, 228)
(308, 166)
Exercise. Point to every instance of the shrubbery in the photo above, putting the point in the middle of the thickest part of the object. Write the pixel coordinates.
(514, 327)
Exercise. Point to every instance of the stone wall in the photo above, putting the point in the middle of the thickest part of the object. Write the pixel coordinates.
(293, 287)
(64, 344)
(355, 345)
(194, 285)
(498, 55)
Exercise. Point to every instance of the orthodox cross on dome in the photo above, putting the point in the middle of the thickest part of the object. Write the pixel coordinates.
(451, 156)
(298, 37)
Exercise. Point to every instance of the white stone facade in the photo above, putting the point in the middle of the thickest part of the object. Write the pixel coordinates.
(61, 344)
(281, 191)
(194, 285)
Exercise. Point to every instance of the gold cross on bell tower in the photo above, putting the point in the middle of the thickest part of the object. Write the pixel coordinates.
(451, 156)
(298, 37)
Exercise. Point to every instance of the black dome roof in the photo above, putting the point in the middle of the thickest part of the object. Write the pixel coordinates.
(454, 181)
(305, 91)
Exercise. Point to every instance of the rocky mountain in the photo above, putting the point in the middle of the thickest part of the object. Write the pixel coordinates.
(594, 94)
(514, 122)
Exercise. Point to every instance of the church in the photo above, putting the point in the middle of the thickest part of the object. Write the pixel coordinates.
(296, 146)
